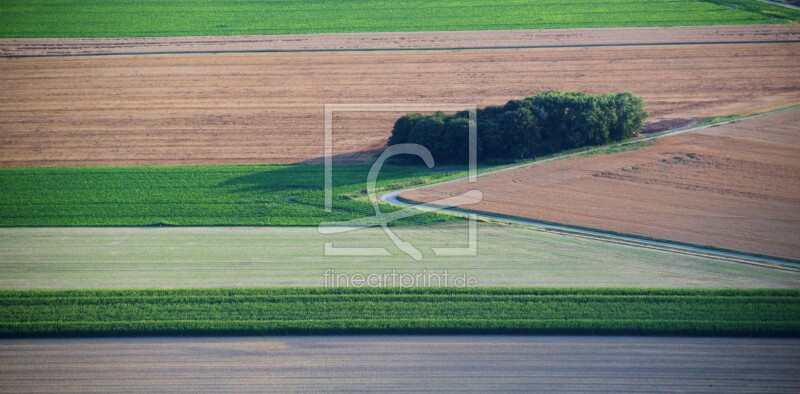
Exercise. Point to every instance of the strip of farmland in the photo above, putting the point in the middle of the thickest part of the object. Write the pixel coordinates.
(311, 311)
(268, 108)
(170, 257)
(732, 187)
(109, 18)
(599, 364)
(489, 39)
(274, 195)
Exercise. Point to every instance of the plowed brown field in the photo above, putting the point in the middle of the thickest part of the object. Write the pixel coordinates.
(268, 107)
(735, 187)
(350, 363)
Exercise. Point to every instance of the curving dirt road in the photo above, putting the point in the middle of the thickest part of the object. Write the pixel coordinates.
(732, 187)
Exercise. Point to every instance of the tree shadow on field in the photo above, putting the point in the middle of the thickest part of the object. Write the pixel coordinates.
(347, 177)
(364, 157)
(294, 177)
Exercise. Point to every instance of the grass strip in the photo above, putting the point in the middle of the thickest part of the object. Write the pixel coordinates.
(113, 18)
(314, 311)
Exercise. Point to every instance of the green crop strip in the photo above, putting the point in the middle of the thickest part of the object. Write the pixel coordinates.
(392, 310)
(286, 195)
(115, 18)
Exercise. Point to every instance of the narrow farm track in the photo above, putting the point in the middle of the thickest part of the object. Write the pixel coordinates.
(491, 39)
(732, 187)
(268, 107)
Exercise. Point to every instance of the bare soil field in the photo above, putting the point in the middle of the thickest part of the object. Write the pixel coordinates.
(268, 107)
(734, 187)
(406, 40)
(401, 363)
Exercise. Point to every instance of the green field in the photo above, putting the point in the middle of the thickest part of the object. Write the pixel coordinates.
(113, 18)
(408, 311)
(202, 257)
(197, 196)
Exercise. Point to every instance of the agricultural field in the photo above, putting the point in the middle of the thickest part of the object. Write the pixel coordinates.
(108, 18)
(443, 40)
(267, 108)
(161, 175)
(207, 257)
(277, 195)
(732, 187)
(374, 363)
(399, 311)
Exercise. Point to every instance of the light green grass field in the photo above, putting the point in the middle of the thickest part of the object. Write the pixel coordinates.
(170, 257)
(113, 18)
(407, 311)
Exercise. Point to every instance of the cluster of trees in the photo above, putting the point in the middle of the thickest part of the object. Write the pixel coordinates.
(544, 124)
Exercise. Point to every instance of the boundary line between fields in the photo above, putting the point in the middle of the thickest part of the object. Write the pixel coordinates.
(349, 50)
(781, 4)
(394, 198)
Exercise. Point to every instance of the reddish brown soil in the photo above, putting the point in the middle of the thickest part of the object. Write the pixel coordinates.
(735, 187)
(268, 107)
(413, 40)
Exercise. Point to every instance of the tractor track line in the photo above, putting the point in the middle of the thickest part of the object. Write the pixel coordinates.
(398, 49)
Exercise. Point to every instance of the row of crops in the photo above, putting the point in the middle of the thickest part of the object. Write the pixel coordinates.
(408, 311)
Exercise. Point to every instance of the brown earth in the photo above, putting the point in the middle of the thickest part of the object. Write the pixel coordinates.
(412, 40)
(268, 107)
(406, 363)
(735, 187)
